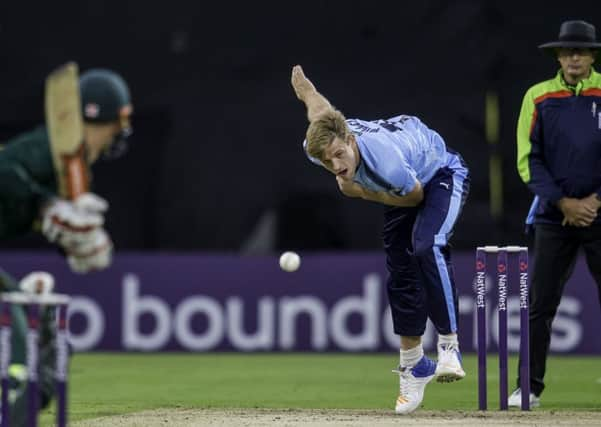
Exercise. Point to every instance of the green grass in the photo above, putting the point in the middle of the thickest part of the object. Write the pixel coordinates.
(109, 384)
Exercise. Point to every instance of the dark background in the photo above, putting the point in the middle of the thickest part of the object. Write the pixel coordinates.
(216, 162)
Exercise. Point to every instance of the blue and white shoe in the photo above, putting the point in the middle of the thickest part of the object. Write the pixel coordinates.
(448, 368)
(413, 382)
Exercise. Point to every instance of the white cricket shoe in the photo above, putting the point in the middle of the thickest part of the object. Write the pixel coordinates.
(413, 382)
(515, 400)
(448, 368)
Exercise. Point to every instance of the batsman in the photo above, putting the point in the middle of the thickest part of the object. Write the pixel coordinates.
(406, 166)
(32, 200)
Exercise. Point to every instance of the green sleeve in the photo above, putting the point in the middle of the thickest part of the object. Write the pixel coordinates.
(26, 181)
(531, 162)
(21, 200)
(526, 122)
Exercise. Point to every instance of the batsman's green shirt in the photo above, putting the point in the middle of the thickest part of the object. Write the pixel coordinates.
(27, 179)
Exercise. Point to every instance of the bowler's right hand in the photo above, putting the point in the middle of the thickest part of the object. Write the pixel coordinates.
(301, 84)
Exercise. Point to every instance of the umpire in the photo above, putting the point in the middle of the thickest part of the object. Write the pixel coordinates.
(559, 158)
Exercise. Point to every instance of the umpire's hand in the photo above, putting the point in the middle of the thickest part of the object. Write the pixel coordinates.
(579, 212)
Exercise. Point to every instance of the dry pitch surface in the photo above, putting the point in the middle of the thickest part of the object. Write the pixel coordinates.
(339, 418)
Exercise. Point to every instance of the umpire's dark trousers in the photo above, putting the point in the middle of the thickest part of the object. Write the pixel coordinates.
(555, 251)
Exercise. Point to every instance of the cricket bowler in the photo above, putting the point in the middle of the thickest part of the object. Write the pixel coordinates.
(406, 166)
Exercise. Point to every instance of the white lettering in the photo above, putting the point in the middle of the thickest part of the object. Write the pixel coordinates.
(290, 309)
(502, 287)
(523, 290)
(480, 288)
(368, 307)
(62, 356)
(566, 334)
(92, 334)
(215, 328)
(392, 339)
(359, 322)
(466, 308)
(31, 354)
(430, 337)
(513, 323)
(134, 306)
(264, 337)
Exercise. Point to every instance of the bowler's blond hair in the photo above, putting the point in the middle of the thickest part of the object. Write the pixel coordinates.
(323, 130)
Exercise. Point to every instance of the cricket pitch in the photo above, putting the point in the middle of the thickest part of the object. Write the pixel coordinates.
(341, 417)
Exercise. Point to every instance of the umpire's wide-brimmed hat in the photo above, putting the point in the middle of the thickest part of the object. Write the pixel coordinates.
(575, 34)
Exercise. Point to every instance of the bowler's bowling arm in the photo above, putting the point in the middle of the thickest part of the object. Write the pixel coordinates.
(305, 90)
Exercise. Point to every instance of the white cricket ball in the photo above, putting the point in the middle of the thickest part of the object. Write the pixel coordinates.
(290, 261)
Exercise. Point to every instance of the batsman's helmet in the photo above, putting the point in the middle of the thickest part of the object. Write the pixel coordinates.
(104, 96)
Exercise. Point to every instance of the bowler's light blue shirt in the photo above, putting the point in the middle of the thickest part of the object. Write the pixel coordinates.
(396, 153)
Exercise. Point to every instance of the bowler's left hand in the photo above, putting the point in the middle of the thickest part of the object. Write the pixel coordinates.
(349, 187)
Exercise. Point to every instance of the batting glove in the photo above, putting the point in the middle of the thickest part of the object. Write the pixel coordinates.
(71, 222)
(92, 254)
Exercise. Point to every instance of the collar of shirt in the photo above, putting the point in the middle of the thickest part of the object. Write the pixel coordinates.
(593, 80)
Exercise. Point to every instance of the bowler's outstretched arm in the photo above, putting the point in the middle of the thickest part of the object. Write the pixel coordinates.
(315, 102)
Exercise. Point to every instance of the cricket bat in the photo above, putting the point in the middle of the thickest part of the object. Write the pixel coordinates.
(65, 130)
